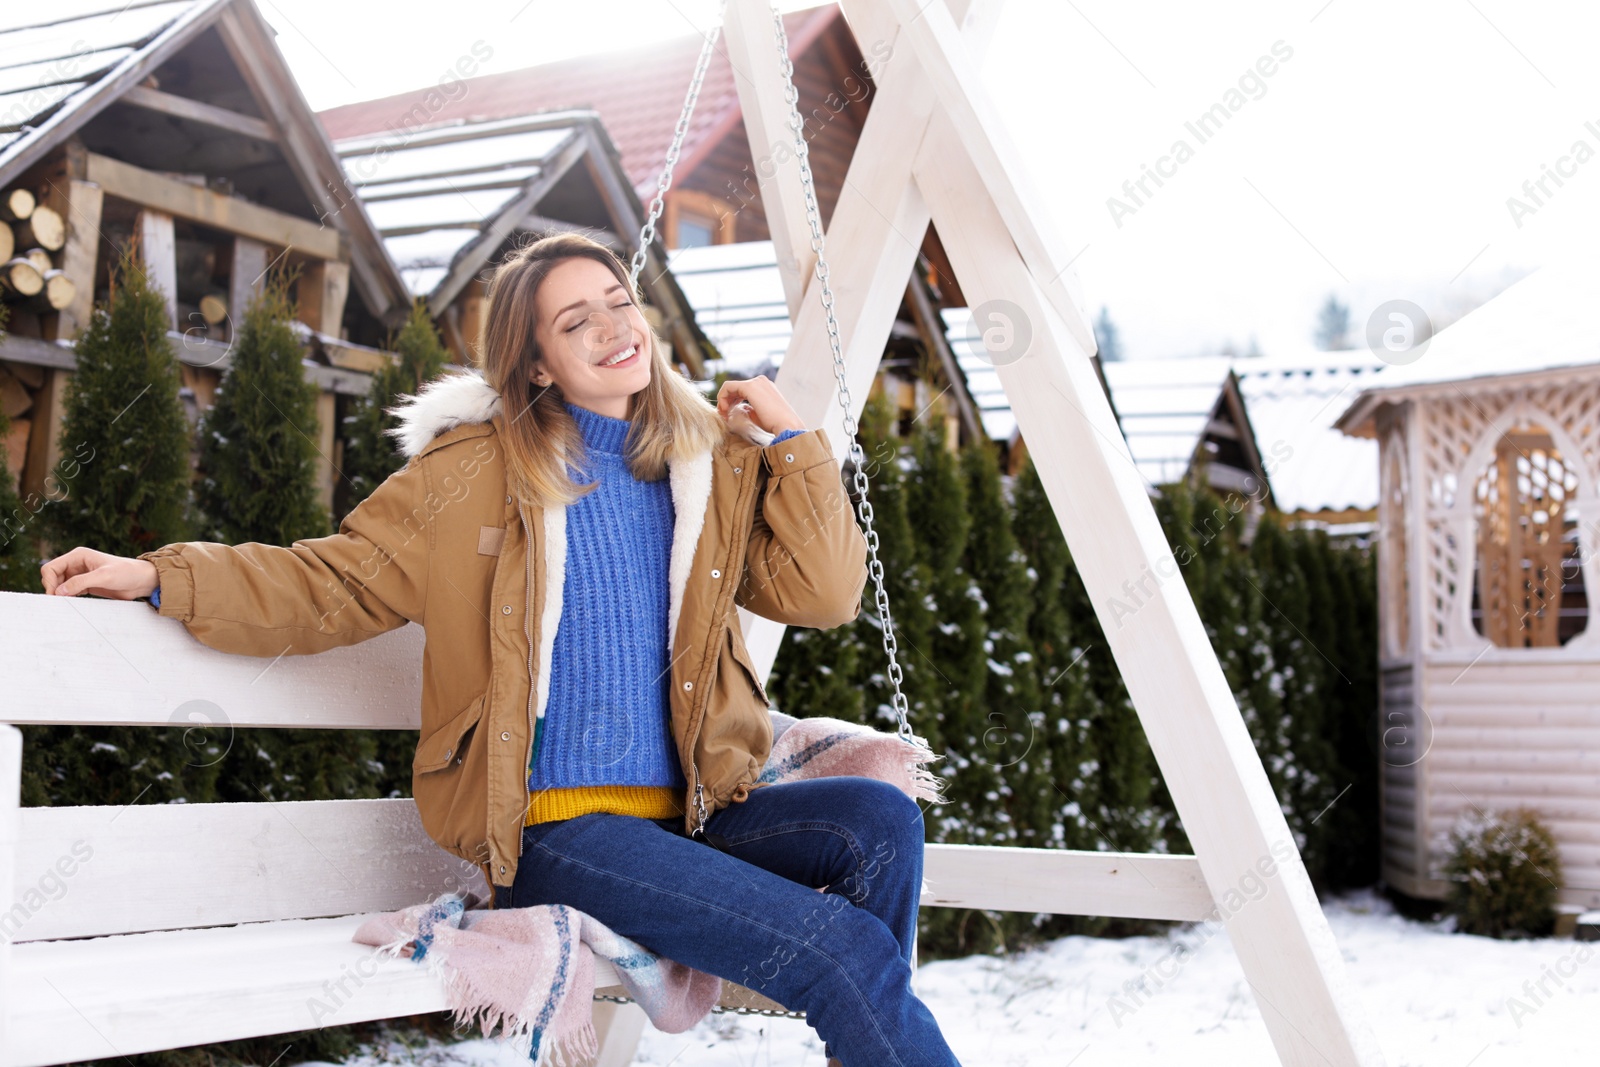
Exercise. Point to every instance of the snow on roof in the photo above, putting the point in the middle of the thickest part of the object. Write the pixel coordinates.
(53, 55)
(1164, 406)
(1292, 401)
(1545, 321)
(437, 191)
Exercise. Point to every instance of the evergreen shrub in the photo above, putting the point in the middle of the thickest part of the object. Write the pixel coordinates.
(1505, 874)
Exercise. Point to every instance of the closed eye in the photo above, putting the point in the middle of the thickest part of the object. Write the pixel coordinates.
(580, 322)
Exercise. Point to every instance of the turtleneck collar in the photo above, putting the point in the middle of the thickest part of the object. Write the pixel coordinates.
(601, 433)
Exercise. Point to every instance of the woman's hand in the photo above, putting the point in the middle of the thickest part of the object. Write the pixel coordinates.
(766, 406)
(83, 570)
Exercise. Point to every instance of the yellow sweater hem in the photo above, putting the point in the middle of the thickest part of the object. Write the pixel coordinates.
(643, 801)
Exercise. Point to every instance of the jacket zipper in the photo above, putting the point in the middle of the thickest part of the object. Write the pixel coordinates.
(527, 632)
(697, 796)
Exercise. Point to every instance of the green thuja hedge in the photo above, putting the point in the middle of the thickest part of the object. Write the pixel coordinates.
(1008, 674)
(370, 456)
(19, 558)
(121, 486)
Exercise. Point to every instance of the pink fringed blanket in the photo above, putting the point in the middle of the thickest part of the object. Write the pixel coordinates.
(525, 971)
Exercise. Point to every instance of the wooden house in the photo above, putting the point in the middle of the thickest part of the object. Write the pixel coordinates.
(1489, 455)
(176, 127)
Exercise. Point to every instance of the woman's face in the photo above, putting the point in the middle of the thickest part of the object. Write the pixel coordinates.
(595, 342)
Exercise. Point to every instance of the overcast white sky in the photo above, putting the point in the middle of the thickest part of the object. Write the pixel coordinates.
(1375, 162)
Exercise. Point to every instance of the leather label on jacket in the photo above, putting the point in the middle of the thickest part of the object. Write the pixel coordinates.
(490, 538)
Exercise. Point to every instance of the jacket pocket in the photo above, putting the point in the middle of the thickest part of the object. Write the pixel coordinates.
(448, 777)
(449, 741)
(741, 654)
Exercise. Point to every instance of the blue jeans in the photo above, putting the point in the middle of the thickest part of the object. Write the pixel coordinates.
(752, 915)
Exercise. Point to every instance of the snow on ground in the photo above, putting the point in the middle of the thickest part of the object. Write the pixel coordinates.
(1433, 997)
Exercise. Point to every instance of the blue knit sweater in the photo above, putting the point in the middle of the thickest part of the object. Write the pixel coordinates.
(607, 719)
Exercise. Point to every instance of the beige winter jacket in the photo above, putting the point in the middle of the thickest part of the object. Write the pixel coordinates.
(443, 544)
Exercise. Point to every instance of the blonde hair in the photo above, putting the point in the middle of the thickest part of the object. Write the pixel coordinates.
(670, 418)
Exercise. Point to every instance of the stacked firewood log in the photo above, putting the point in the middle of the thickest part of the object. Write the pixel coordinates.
(31, 238)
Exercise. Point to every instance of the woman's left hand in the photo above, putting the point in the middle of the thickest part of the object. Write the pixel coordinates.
(767, 407)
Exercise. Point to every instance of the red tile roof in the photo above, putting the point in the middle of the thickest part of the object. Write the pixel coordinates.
(638, 93)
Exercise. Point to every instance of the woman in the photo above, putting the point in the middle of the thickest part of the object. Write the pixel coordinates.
(574, 528)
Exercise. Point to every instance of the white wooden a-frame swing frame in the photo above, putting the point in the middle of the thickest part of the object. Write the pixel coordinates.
(934, 150)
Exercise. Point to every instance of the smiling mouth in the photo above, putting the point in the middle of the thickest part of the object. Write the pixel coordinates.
(625, 357)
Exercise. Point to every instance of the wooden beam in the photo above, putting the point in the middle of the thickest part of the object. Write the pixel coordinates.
(79, 203)
(191, 350)
(1065, 882)
(931, 38)
(182, 107)
(159, 251)
(327, 425)
(1240, 836)
(10, 832)
(618, 1027)
(322, 289)
(245, 278)
(753, 55)
(49, 404)
(227, 213)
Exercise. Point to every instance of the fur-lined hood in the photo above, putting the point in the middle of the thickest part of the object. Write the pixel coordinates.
(460, 397)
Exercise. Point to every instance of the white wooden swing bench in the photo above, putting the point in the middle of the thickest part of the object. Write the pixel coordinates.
(134, 928)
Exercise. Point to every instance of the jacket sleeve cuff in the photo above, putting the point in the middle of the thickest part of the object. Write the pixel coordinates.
(807, 449)
(175, 580)
(785, 435)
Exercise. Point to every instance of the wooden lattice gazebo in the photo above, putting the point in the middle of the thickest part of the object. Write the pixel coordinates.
(1489, 455)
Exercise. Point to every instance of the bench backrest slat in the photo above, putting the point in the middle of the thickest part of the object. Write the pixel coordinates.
(69, 660)
(112, 870)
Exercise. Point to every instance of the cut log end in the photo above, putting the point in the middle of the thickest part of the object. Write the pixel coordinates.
(21, 277)
(58, 291)
(44, 227)
(213, 309)
(16, 204)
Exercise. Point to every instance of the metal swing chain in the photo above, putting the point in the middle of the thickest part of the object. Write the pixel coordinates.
(664, 180)
(814, 220)
(647, 234)
(857, 458)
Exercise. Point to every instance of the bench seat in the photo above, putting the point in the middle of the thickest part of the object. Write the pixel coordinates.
(97, 997)
(140, 927)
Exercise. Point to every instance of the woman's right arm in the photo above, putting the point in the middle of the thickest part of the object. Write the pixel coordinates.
(257, 599)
